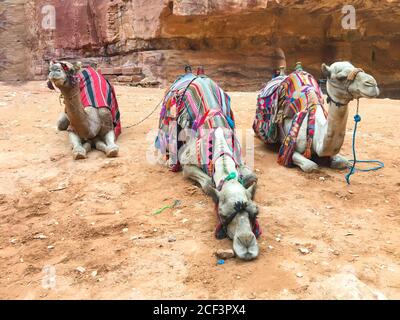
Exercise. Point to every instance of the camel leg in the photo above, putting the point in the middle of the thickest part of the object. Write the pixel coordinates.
(87, 146)
(101, 146)
(196, 174)
(305, 164)
(339, 162)
(112, 148)
(248, 176)
(63, 122)
(78, 150)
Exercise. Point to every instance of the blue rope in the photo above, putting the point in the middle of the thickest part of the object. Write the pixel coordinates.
(353, 169)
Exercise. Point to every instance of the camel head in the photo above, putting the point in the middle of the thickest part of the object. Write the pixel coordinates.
(62, 74)
(345, 83)
(238, 212)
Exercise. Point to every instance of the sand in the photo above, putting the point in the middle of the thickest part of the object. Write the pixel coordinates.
(86, 229)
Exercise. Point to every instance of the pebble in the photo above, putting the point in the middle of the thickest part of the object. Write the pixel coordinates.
(81, 269)
(322, 178)
(13, 241)
(225, 254)
(172, 239)
(135, 238)
(125, 230)
(304, 250)
(270, 247)
(40, 236)
(329, 207)
(50, 247)
(299, 275)
(94, 273)
(278, 239)
(185, 220)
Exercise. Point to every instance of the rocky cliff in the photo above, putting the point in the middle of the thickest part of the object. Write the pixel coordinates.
(148, 42)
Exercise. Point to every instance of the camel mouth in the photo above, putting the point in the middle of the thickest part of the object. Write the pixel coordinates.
(246, 247)
(370, 93)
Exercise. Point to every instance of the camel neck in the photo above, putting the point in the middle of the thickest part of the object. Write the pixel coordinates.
(224, 164)
(335, 129)
(75, 111)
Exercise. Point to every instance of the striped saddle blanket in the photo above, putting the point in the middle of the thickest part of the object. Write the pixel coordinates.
(292, 97)
(196, 103)
(97, 91)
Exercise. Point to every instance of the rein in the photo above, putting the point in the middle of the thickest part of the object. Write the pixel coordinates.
(353, 169)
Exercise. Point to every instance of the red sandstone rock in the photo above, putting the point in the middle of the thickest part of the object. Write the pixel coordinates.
(238, 42)
(107, 71)
(131, 70)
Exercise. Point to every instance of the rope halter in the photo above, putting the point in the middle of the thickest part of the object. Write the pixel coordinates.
(350, 79)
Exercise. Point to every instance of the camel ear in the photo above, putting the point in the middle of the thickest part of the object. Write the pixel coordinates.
(326, 71)
(251, 191)
(77, 66)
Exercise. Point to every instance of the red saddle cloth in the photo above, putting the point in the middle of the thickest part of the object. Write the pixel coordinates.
(97, 91)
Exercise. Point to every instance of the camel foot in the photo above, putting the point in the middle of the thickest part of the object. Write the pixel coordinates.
(309, 167)
(305, 164)
(339, 163)
(79, 153)
(112, 152)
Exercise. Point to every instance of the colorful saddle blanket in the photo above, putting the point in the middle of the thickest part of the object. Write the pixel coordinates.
(196, 103)
(97, 91)
(295, 96)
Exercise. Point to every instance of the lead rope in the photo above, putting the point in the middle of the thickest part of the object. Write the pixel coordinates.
(353, 169)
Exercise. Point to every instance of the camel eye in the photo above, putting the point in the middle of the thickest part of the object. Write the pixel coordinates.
(341, 78)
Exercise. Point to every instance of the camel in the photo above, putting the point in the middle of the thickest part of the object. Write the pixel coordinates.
(90, 112)
(320, 134)
(221, 174)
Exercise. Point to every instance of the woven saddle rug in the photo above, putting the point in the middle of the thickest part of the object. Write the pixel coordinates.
(196, 103)
(96, 91)
(266, 120)
(297, 96)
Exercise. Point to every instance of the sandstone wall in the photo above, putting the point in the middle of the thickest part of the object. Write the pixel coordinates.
(238, 41)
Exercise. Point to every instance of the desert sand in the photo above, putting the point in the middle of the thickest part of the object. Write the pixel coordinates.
(86, 229)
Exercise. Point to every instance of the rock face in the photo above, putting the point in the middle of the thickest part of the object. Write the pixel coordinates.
(238, 41)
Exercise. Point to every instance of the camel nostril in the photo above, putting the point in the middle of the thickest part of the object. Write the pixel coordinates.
(371, 83)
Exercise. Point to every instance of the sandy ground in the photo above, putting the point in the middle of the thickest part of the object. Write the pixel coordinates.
(96, 215)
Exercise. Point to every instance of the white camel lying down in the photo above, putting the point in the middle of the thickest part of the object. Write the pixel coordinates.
(344, 84)
(231, 184)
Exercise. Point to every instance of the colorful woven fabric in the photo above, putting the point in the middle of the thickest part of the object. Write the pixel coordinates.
(96, 91)
(265, 123)
(297, 96)
(199, 104)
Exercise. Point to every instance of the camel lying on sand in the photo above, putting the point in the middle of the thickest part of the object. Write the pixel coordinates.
(198, 111)
(91, 109)
(290, 112)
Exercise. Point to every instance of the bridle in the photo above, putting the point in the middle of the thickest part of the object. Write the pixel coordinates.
(350, 79)
(221, 231)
